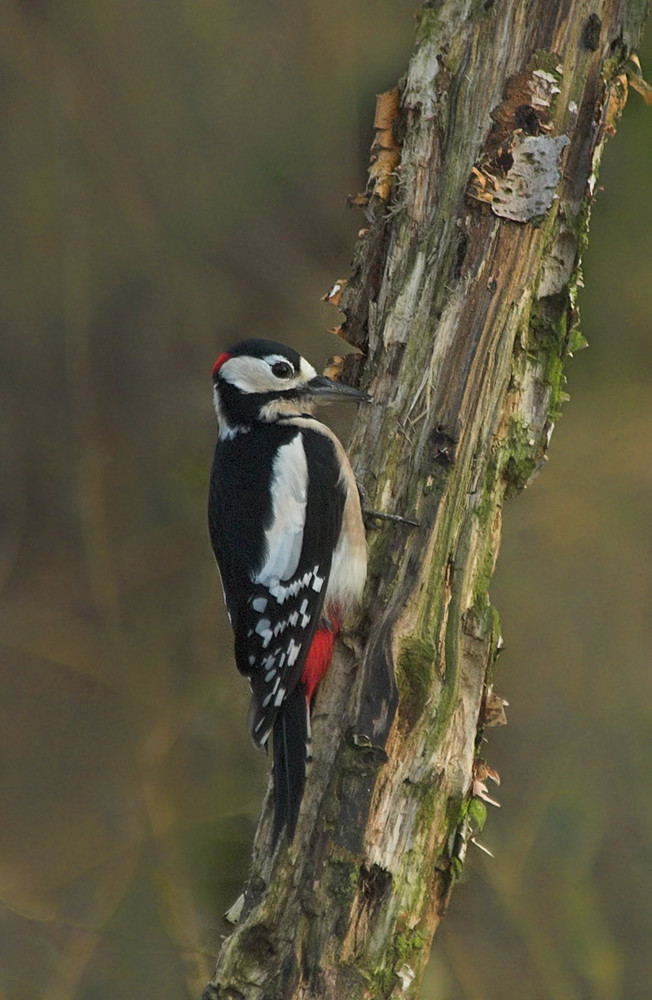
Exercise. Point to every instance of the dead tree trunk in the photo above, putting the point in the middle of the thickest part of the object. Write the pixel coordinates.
(462, 298)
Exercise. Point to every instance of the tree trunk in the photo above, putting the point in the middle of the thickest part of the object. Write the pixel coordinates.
(462, 298)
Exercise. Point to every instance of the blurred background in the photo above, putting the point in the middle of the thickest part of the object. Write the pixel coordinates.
(173, 176)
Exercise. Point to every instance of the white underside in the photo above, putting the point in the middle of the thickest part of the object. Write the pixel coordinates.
(284, 537)
(348, 573)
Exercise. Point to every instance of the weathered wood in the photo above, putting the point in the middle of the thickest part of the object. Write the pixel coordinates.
(462, 296)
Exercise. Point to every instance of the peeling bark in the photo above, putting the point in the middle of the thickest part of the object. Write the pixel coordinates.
(462, 298)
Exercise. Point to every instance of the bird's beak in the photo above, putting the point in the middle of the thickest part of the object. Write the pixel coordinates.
(328, 391)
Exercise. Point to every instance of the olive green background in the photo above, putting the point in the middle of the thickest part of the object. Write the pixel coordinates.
(173, 177)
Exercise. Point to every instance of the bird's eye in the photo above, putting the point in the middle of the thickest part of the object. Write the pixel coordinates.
(282, 369)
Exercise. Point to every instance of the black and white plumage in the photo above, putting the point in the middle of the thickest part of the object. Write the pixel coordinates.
(287, 531)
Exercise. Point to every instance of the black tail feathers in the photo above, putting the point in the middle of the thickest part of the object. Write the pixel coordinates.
(291, 735)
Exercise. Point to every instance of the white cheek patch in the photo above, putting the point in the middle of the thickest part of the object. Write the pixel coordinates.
(249, 374)
(254, 375)
(306, 370)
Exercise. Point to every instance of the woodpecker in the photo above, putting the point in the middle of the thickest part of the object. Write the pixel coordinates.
(286, 528)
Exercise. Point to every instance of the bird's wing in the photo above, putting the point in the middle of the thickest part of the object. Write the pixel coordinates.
(276, 622)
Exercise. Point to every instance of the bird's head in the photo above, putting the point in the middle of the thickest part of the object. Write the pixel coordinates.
(261, 380)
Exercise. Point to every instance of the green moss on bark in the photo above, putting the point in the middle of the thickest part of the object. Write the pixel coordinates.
(415, 674)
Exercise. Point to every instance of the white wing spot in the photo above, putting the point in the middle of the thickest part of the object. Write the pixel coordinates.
(293, 651)
(279, 697)
(264, 631)
(259, 604)
(280, 592)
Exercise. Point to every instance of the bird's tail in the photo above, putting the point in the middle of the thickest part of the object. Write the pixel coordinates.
(291, 741)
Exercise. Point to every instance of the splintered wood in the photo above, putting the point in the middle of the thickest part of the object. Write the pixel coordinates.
(518, 173)
(385, 152)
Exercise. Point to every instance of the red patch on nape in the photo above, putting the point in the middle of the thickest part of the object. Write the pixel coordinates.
(319, 657)
(220, 361)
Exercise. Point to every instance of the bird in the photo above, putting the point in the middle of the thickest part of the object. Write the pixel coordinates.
(287, 530)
